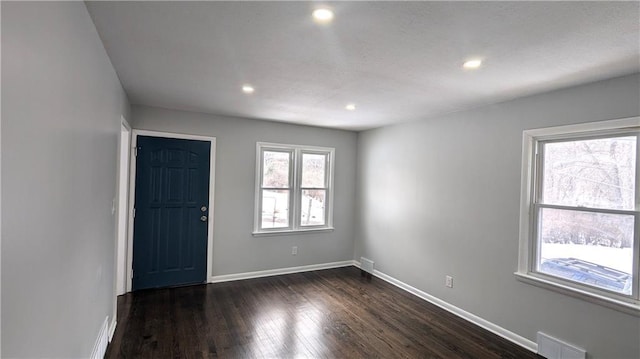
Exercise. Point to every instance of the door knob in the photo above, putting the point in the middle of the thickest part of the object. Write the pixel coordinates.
(203, 218)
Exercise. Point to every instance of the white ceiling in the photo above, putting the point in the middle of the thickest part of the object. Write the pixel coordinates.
(397, 61)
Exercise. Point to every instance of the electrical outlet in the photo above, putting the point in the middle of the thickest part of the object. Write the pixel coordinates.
(294, 250)
(448, 281)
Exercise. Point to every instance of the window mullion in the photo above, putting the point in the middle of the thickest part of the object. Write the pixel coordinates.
(637, 172)
(327, 195)
(296, 182)
(636, 247)
(636, 259)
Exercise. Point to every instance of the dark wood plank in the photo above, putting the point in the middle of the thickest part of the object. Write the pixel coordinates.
(333, 313)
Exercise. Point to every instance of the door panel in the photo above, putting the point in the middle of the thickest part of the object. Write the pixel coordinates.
(172, 187)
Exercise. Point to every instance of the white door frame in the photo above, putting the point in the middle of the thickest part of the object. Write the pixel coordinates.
(120, 211)
(132, 194)
(124, 156)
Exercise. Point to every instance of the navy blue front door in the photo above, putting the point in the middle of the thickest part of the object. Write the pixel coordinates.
(171, 212)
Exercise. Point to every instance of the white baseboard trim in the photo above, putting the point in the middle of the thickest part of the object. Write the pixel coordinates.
(112, 329)
(100, 346)
(279, 271)
(495, 329)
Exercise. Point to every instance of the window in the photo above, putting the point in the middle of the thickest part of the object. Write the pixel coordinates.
(293, 188)
(580, 211)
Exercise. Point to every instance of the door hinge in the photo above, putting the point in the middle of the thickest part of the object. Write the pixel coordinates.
(135, 151)
(134, 213)
(132, 274)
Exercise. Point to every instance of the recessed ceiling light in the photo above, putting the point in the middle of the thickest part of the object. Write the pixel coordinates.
(322, 15)
(472, 64)
(248, 89)
(350, 107)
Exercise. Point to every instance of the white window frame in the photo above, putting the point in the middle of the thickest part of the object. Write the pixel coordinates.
(530, 180)
(295, 188)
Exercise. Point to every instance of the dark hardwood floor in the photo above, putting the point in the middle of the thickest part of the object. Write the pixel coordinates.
(333, 313)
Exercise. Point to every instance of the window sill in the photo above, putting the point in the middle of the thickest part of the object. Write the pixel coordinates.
(292, 231)
(629, 307)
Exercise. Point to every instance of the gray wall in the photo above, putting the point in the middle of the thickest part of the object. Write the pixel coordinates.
(61, 107)
(441, 197)
(235, 249)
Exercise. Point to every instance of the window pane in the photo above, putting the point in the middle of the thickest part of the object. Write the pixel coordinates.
(275, 169)
(589, 248)
(275, 208)
(313, 167)
(597, 173)
(312, 207)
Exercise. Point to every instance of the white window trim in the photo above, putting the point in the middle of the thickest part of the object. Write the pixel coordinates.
(525, 272)
(295, 189)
